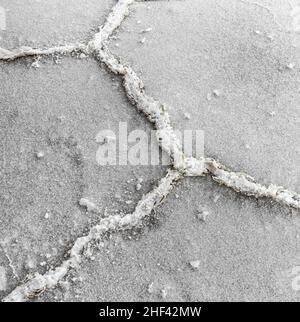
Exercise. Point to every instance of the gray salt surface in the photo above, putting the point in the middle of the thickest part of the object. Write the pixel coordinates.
(233, 67)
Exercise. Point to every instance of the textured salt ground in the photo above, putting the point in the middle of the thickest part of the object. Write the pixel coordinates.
(39, 23)
(196, 47)
(59, 110)
(103, 282)
(247, 250)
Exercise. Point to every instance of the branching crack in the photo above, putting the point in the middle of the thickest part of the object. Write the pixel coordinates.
(9, 55)
(157, 113)
(50, 279)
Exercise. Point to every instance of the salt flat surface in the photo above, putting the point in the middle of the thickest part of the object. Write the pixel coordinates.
(230, 68)
(39, 23)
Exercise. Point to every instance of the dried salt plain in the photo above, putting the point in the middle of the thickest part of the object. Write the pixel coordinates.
(200, 231)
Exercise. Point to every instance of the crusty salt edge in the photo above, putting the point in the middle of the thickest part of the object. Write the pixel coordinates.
(155, 111)
(113, 21)
(50, 279)
(9, 55)
(246, 185)
(134, 88)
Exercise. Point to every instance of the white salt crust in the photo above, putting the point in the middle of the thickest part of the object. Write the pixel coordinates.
(157, 114)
